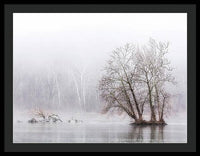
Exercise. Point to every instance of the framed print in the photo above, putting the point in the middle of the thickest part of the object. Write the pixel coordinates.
(104, 77)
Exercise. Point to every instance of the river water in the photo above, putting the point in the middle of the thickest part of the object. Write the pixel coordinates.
(97, 133)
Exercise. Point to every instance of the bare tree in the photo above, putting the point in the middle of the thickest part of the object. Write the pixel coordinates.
(79, 77)
(135, 77)
(118, 86)
(154, 71)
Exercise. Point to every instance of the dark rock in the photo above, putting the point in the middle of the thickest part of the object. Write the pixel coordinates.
(33, 120)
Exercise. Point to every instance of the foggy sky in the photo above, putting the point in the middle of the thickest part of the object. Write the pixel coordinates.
(86, 40)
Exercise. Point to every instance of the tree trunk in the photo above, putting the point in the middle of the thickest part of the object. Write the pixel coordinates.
(153, 116)
(133, 94)
(158, 103)
(162, 111)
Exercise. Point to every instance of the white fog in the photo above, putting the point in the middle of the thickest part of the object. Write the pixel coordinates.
(58, 61)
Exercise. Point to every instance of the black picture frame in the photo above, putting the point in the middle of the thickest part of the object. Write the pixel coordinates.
(9, 9)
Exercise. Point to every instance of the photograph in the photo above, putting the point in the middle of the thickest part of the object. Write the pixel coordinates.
(100, 78)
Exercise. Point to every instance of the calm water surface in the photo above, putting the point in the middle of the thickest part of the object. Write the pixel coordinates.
(97, 133)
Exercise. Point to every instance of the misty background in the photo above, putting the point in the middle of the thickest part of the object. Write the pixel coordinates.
(58, 58)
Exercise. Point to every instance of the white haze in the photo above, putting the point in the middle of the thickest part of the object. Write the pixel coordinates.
(84, 41)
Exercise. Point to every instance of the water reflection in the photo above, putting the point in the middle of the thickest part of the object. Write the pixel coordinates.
(150, 133)
(98, 133)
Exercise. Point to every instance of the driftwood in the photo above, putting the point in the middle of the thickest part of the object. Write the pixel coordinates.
(54, 118)
(45, 117)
